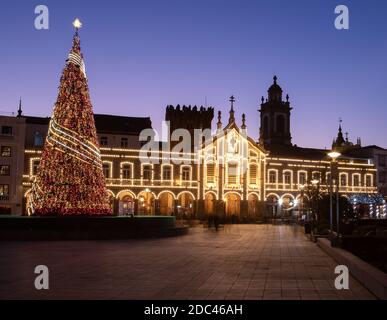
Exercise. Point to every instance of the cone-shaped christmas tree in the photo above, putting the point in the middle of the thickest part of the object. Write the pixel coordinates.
(70, 178)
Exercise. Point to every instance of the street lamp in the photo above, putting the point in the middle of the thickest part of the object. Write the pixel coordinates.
(333, 155)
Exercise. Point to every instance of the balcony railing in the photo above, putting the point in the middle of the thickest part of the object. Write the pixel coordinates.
(342, 189)
(151, 183)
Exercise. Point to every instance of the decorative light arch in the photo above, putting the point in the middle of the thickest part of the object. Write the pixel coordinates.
(232, 192)
(166, 191)
(126, 191)
(212, 192)
(256, 194)
(111, 192)
(189, 192)
(287, 194)
(272, 194)
(146, 191)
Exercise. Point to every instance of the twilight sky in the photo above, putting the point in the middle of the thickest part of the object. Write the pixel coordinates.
(143, 55)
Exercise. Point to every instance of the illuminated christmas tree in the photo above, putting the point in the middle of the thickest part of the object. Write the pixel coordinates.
(70, 178)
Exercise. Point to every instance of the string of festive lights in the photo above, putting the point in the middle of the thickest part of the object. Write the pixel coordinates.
(69, 179)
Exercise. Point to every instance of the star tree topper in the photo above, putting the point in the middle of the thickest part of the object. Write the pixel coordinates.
(77, 24)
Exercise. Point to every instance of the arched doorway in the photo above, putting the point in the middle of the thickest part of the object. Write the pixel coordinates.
(253, 205)
(301, 206)
(233, 206)
(126, 200)
(166, 203)
(209, 203)
(272, 206)
(186, 205)
(146, 203)
(126, 206)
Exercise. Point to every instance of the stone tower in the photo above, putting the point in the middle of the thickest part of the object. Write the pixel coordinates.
(189, 118)
(275, 118)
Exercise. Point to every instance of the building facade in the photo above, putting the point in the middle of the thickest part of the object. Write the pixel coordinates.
(228, 174)
(12, 145)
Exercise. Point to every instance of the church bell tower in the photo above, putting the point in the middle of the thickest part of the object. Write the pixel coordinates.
(275, 118)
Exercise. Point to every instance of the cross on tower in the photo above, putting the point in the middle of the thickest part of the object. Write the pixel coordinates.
(232, 100)
(232, 117)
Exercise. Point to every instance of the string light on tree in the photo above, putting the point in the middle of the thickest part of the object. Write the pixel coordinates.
(69, 179)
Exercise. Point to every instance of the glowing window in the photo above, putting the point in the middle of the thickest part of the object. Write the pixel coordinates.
(185, 174)
(127, 171)
(272, 177)
(210, 173)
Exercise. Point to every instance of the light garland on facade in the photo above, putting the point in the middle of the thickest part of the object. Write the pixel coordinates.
(212, 179)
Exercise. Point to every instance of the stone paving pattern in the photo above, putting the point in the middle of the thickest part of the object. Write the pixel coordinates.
(251, 262)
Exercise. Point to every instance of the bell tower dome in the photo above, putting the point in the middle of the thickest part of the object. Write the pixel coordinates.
(275, 91)
(275, 118)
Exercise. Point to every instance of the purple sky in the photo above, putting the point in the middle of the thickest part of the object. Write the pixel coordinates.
(143, 55)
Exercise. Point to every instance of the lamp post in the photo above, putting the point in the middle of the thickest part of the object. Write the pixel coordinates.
(333, 155)
(301, 204)
(314, 203)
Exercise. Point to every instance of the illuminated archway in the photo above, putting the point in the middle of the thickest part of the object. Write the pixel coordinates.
(253, 201)
(233, 204)
(209, 203)
(186, 204)
(166, 203)
(146, 203)
(126, 201)
(301, 202)
(272, 201)
(124, 192)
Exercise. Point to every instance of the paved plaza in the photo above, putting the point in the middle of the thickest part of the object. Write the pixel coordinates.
(238, 262)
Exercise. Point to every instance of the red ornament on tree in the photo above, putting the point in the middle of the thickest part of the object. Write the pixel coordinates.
(70, 178)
